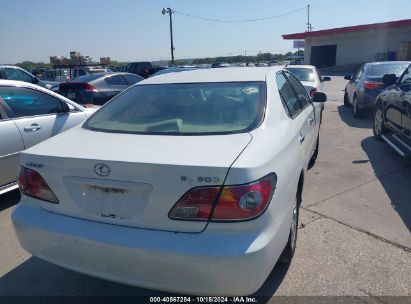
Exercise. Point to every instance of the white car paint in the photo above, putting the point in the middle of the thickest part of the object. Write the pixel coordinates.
(141, 245)
(19, 133)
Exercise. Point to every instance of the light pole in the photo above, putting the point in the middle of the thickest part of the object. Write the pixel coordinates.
(170, 12)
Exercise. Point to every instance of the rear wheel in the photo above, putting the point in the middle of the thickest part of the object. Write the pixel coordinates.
(356, 111)
(346, 100)
(288, 252)
(378, 122)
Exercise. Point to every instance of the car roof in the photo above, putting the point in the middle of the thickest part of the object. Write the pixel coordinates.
(23, 84)
(388, 62)
(306, 66)
(230, 74)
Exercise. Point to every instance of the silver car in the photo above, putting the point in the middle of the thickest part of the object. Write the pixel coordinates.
(30, 114)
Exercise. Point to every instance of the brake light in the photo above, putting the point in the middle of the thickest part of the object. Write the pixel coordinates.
(372, 85)
(90, 88)
(32, 184)
(312, 92)
(234, 203)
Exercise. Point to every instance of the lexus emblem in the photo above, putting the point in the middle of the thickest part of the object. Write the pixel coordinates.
(102, 169)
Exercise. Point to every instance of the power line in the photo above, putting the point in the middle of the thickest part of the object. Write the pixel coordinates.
(241, 20)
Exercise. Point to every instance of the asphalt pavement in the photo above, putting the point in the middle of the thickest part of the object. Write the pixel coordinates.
(354, 235)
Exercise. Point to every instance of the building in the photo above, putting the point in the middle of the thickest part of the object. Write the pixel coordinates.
(357, 44)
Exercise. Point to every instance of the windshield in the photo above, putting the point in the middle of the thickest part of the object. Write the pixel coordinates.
(302, 74)
(185, 109)
(390, 68)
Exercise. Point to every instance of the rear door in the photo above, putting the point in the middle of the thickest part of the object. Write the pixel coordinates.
(10, 147)
(354, 82)
(310, 112)
(297, 112)
(115, 84)
(405, 100)
(38, 115)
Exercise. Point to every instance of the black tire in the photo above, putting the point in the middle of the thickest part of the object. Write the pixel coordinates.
(378, 126)
(346, 100)
(289, 250)
(315, 155)
(356, 111)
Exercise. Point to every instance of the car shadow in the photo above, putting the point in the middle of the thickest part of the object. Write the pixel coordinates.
(35, 277)
(346, 116)
(394, 174)
(9, 199)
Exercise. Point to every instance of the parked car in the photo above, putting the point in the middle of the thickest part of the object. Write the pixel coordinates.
(392, 116)
(81, 71)
(363, 88)
(97, 89)
(30, 114)
(175, 69)
(311, 79)
(200, 195)
(221, 65)
(19, 74)
(143, 69)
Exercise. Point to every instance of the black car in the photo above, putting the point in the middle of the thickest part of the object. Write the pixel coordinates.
(392, 116)
(363, 88)
(97, 89)
(143, 69)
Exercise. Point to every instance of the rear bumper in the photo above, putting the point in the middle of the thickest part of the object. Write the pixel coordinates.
(367, 99)
(207, 263)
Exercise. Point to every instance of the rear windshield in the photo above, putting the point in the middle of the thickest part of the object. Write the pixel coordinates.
(391, 68)
(302, 74)
(183, 109)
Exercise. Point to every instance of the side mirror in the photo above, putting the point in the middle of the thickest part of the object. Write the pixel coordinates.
(35, 80)
(319, 97)
(389, 79)
(348, 77)
(326, 78)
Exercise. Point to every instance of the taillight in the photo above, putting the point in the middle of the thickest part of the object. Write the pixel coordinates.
(232, 203)
(372, 85)
(312, 92)
(32, 184)
(90, 88)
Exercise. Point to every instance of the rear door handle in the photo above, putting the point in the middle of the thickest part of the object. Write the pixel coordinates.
(32, 128)
(311, 120)
(301, 137)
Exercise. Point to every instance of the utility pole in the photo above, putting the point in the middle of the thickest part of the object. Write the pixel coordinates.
(309, 27)
(170, 12)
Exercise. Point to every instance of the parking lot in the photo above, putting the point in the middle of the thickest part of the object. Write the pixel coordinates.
(354, 237)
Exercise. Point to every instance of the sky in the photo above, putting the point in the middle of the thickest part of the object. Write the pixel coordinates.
(135, 30)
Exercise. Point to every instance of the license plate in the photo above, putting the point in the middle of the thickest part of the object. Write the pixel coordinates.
(71, 95)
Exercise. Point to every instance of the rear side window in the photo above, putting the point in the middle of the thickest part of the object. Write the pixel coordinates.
(300, 90)
(27, 102)
(288, 95)
(117, 80)
(184, 109)
(16, 74)
(133, 79)
(303, 74)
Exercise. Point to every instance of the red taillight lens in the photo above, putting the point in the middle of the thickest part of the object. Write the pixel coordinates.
(89, 87)
(196, 204)
(235, 203)
(372, 85)
(32, 184)
(312, 92)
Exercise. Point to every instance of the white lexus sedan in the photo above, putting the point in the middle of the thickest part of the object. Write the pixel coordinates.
(186, 182)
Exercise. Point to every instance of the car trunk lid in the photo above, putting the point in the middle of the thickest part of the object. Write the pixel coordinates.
(131, 180)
